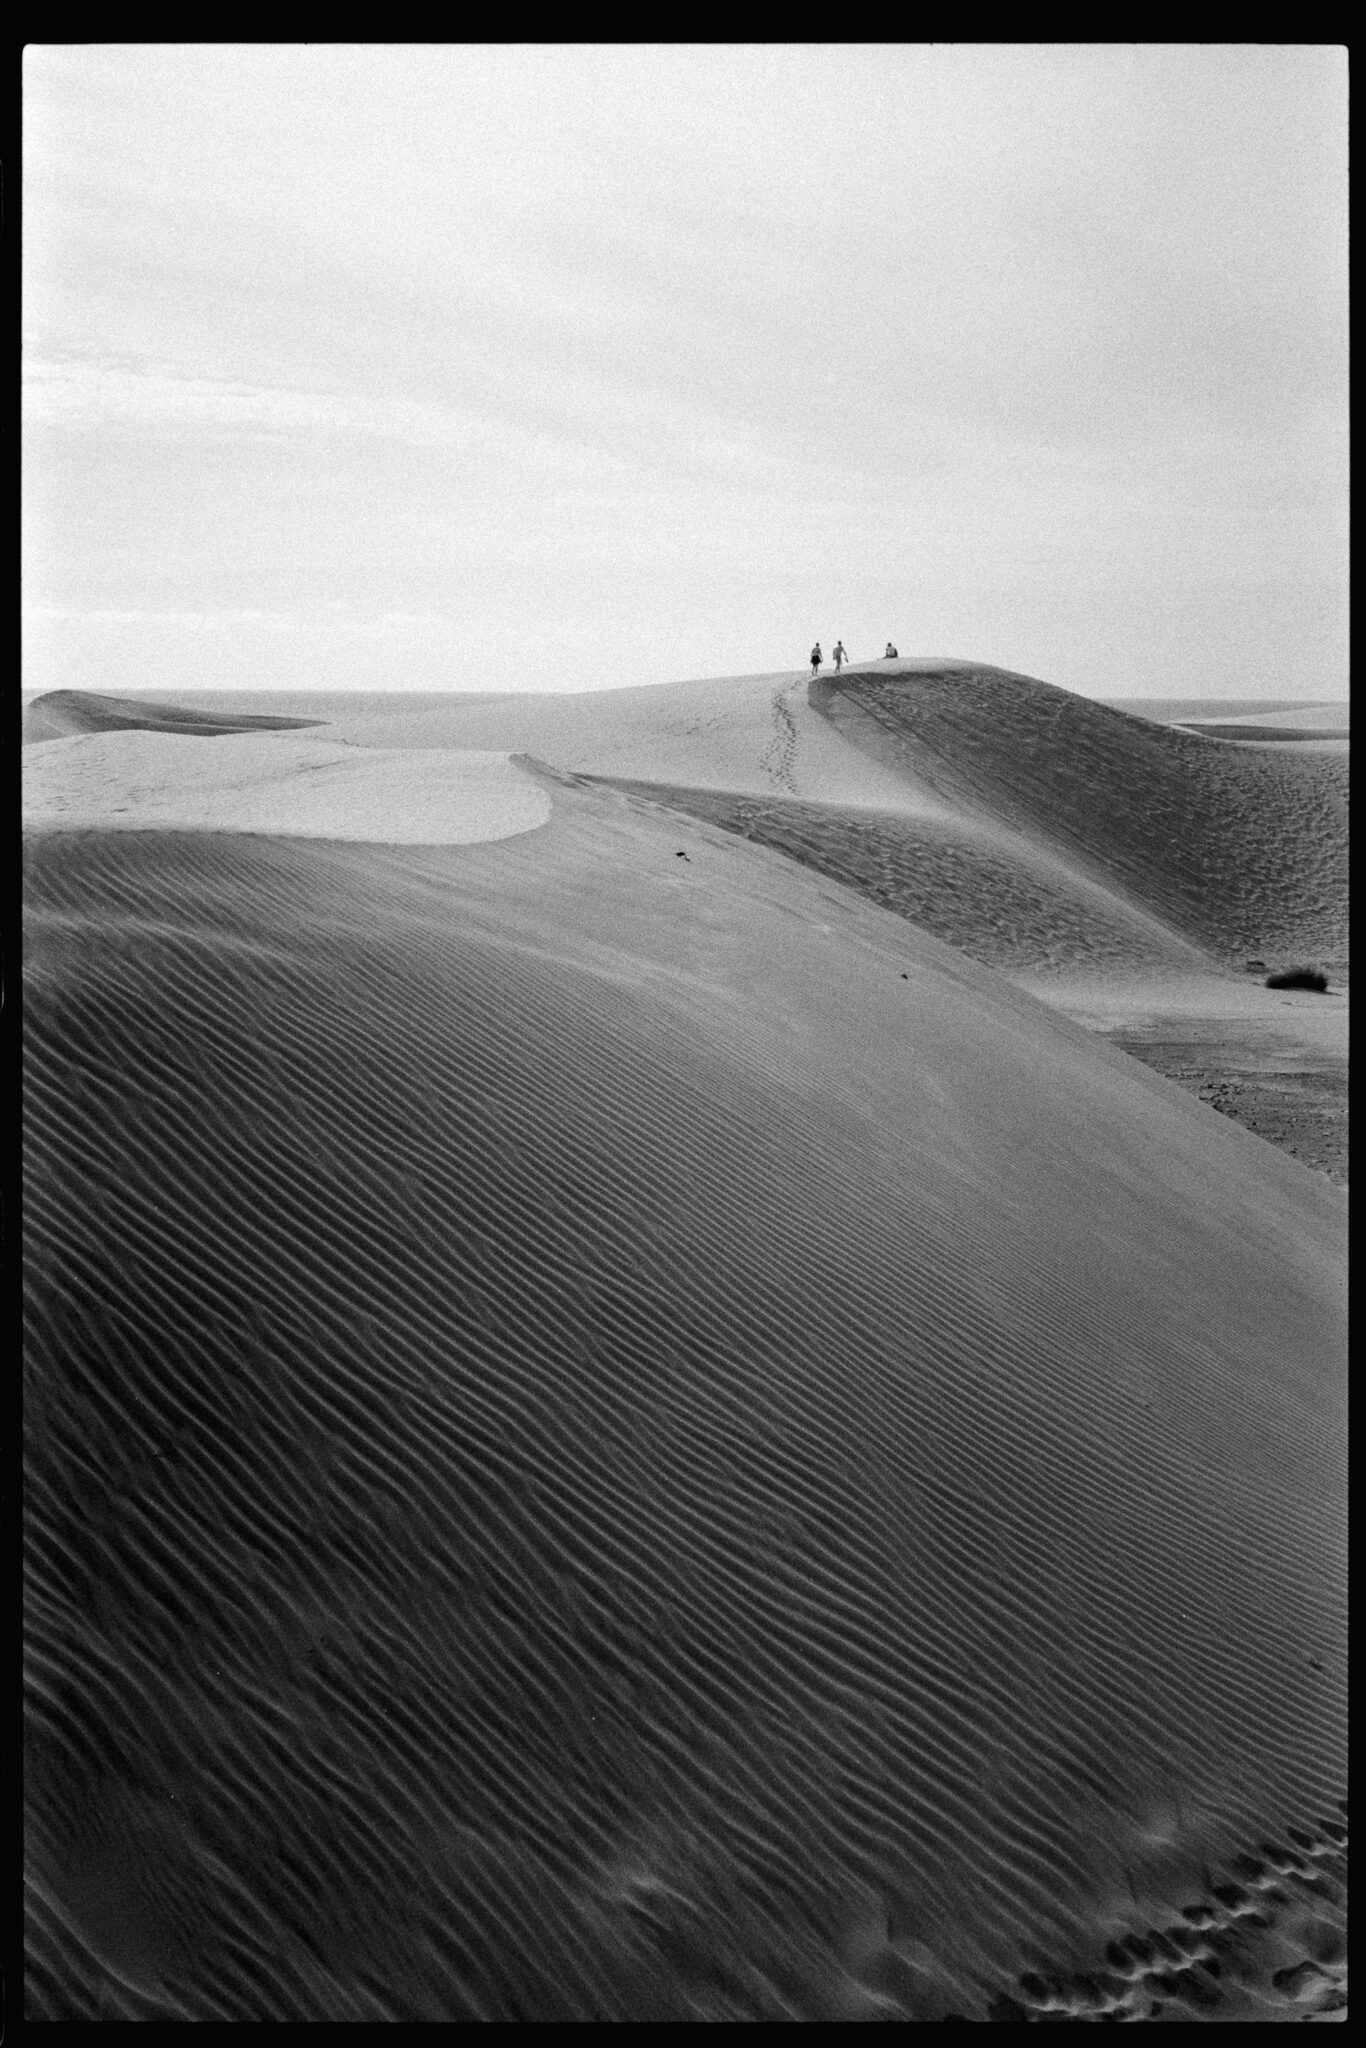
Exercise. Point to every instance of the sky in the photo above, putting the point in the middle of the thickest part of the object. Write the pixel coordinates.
(571, 367)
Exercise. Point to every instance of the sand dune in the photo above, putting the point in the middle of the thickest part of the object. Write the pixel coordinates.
(1237, 852)
(1288, 716)
(613, 1433)
(1001, 896)
(1249, 733)
(61, 713)
(1242, 850)
(270, 782)
(733, 732)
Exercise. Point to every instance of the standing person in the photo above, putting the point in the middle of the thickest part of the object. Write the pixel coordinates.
(840, 655)
(815, 657)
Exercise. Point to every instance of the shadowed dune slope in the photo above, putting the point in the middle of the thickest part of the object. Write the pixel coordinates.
(1242, 849)
(612, 1437)
(59, 714)
(999, 896)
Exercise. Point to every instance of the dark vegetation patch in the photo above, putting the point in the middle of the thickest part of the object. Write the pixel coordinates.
(1300, 977)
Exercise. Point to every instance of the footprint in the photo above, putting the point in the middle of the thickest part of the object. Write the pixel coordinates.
(1216, 1951)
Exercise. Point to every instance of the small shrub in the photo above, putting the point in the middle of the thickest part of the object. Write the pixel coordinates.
(1300, 977)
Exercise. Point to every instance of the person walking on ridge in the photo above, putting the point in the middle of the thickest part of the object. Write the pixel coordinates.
(839, 655)
(815, 657)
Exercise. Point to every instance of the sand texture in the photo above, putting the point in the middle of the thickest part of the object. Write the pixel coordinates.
(258, 782)
(615, 1433)
(1274, 1060)
(1241, 849)
(1000, 896)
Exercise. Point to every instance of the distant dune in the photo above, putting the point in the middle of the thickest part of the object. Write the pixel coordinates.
(615, 1434)
(60, 713)
(1249, 733)
(1286, 715)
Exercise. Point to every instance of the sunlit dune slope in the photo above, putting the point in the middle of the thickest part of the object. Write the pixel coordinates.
(730, 732)
(1243, 850)
(277, 782)
(618, 1437)
(60, 713)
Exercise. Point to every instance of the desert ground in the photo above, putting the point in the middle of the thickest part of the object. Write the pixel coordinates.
(685, 1354)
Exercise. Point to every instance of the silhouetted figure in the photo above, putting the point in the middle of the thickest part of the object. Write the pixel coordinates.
(839, 655)
(890, 655)
(815, 657)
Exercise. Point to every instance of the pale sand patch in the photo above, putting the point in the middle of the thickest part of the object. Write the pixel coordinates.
(279, 783)
(751, 733)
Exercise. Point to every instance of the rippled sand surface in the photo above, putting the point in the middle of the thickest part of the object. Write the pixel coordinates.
(615, 1433)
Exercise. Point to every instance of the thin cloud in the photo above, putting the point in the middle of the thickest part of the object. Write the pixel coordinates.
(328, 618)
(94, 395)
